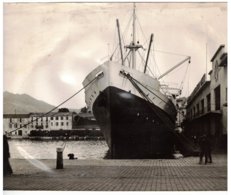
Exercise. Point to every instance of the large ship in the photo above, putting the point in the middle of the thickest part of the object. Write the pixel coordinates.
(137, 119)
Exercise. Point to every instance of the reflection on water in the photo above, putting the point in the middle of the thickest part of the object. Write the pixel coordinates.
(47, 149)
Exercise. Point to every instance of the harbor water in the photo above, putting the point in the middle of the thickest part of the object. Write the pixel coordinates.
(31, 149)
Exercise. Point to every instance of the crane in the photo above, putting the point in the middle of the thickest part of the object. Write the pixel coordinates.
(174, 67)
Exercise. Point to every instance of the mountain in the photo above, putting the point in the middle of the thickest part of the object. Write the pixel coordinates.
(23, 104)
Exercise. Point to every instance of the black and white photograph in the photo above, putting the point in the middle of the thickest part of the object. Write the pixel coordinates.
(115, 96)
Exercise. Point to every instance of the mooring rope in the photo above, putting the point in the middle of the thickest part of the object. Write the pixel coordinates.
(56, 106)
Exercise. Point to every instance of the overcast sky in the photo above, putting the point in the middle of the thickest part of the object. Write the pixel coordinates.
(49, 48)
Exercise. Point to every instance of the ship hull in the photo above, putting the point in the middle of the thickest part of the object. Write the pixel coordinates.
(132, 127)
(137, 120)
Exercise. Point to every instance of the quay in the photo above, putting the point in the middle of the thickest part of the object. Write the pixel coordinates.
(183, 174)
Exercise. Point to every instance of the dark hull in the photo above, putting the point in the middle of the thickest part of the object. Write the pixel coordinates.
(133, 127)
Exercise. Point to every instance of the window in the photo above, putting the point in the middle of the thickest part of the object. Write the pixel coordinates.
(10, 125)
(57, 118)
(217, 92)
(67, 117)
(208, 97)
(20, 119)
(15, 125)
(198, 109)
(57, 123)
(11, 120)
(52, 118)
(202, 106)
(62, 124)
(216, 70)
(61, 117)
(20, 132)
(67, 123)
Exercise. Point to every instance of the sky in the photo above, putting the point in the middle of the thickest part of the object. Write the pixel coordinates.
(49, 48)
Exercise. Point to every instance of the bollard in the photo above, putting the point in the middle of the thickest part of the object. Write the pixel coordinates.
(59, 160)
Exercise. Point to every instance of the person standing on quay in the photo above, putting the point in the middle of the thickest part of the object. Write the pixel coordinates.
(202, 143)
(205, 149)
(208, 155)
(7, 170)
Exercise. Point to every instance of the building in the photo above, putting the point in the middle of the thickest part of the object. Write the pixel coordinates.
(52, 121)
(16, 121)
(85, 120)
(207, 104)
(181, 111)
(23, 124)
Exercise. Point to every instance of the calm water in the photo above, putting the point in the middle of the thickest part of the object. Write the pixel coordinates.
(29, 149)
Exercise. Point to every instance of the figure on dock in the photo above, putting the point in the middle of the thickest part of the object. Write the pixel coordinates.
(7, 170)
(208, 156)
(205, 149)
(71, 156)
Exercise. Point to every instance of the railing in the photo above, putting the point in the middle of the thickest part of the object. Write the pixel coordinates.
(201, 112)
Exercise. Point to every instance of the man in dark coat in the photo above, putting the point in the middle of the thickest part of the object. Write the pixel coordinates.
(208, 150)
(205, 149)
(202, 144)
(7, 170)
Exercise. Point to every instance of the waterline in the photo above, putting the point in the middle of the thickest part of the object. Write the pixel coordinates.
(47, 149)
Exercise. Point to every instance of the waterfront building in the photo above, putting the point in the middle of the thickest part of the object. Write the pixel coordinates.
(23, 124)
(52, 121)
(207, 104)
(16, 121)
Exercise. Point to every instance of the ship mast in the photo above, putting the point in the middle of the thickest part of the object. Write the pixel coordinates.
(149, 48)
(134, 37)
(133, 46)
(121, 50)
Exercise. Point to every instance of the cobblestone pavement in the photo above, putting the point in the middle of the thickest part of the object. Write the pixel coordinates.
(184, 174)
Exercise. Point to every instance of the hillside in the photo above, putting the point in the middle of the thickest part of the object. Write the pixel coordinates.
(23, 104)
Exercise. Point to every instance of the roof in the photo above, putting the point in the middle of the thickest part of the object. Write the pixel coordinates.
(197, 92)
(223, 60)
(37, 115)
(52, 114)
(218, 50)
(86, 115)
